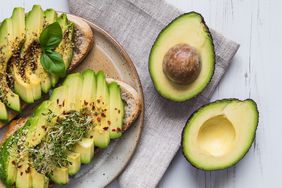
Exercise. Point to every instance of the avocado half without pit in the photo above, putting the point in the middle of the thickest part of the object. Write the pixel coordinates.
(182, 59)
(219, 134)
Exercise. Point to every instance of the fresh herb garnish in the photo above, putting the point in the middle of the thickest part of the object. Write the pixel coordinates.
(51, 60)
(60, 139)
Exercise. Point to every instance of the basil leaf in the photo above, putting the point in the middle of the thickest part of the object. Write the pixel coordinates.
(45, 62)
(58, 67)
(53, 63)
(48, 51)
(51, 36)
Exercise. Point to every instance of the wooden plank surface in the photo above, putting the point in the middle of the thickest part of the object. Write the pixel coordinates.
(255, 73)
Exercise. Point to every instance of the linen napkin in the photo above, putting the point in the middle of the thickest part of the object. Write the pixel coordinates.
(136, 24)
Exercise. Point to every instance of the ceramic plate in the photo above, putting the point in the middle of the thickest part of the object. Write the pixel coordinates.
(109, 56)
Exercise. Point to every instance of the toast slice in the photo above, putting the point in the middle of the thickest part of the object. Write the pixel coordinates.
(83, 43)
(85, 113)
(130, 97)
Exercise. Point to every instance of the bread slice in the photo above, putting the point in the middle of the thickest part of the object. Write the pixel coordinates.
(132, 101)
(83, 43)
(83, 40)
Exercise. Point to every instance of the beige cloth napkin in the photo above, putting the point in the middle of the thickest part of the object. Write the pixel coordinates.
(136, 24)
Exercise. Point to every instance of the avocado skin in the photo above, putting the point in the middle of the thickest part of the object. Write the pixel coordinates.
(220, 101)
(153, 46)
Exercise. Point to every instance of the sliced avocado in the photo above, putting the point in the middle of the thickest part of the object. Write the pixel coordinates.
(74, 84)
(219, 134)
(116, 111)
(75, 163)
(31, 50)
(102, 92)
(37, 130)
(3, 112)
(11, 170)
(47, 107)
(23, 62)
(34, 26)
(39, 122)
(8, 157)
(187, 30)
(20, 86)
(59, 96)
(39, 180)
(7, 96)
(27, 176)
(85, 148)
(100, 136)
(101, 131)
(14, 168)
(18, 19)
(88, 94)
(42, 108)
(65, 48)
(50, 16)
(60, 175)
(24, 178)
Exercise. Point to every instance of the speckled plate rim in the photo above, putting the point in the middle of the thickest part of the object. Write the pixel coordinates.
(128, 60)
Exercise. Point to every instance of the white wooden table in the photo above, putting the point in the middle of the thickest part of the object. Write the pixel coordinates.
(256, 73)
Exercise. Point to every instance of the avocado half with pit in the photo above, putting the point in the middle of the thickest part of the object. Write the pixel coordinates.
(182, 59)
(219, 134)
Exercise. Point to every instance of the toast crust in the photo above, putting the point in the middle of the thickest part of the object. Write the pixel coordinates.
(84, 41)
(133, 107)
(13, 127)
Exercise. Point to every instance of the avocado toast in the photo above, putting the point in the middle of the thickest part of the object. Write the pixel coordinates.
(24, 80)
(82, 115)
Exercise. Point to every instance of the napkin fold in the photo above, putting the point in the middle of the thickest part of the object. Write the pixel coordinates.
(136, 24)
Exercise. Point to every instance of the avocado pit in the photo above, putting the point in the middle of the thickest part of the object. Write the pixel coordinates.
(181, 64)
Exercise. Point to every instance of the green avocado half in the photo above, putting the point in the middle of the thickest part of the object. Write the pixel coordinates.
(219, 134)
(189, 28)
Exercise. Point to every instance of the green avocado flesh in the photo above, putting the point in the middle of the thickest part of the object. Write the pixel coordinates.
(116, 110)
(3, 112)
(7, 96)
(75, 162)
(66, 46)
(23, 76)
(219, 134)
(188, 29)
(63, 132)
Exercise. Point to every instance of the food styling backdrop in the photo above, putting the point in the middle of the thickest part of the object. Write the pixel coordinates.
(255, 73)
